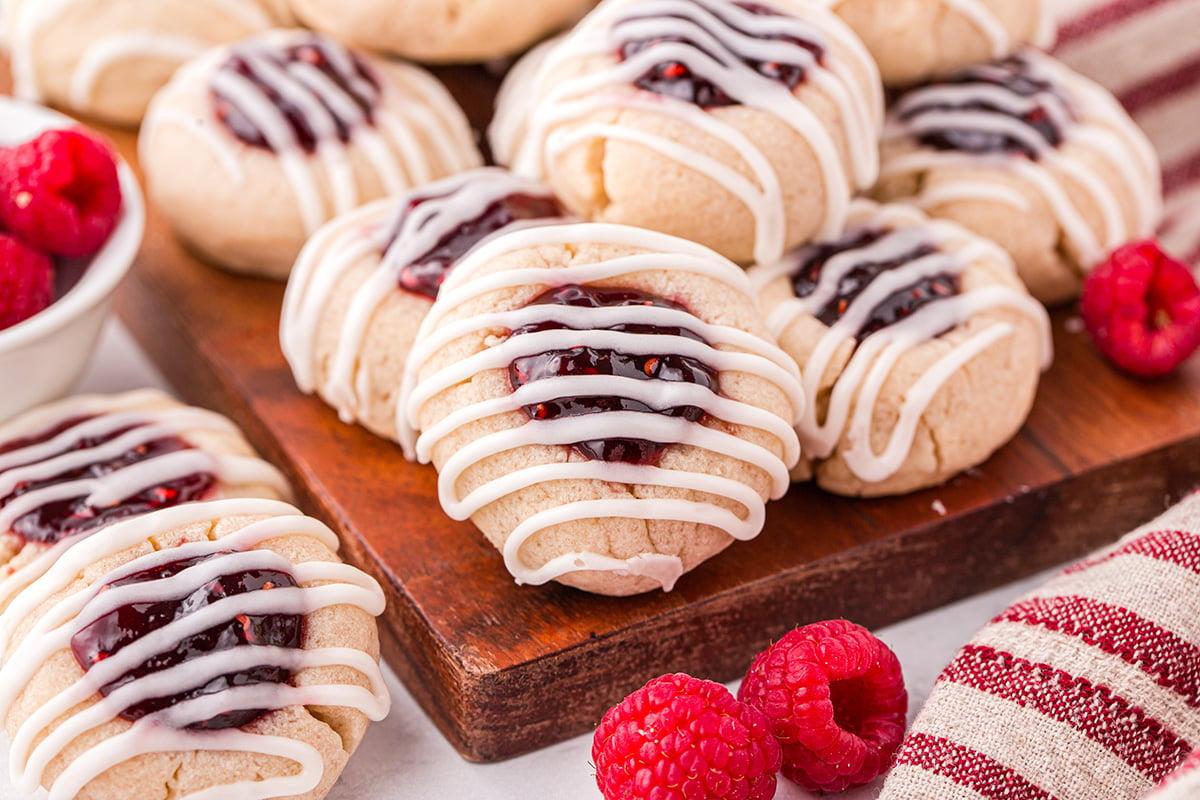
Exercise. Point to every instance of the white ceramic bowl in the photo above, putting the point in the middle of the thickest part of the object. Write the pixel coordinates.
(42, 357)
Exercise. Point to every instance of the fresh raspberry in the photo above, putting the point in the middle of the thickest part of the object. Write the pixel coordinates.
(26, 281)
(1142, 309)
(60, 192)
(835, 699)
(681, 738)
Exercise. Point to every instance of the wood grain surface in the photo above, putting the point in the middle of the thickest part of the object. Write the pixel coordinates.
(504, 669)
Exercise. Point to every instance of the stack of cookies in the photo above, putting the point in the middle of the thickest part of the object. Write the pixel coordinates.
(721, 262)
(730, 245)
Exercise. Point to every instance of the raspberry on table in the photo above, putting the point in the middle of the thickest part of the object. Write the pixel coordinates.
(682, 738)
(60, 192)
(835, 698)
(26, 281)
(1142, 309)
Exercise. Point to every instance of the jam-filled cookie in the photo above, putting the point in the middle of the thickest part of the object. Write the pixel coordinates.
(604, 403)
(919, 347)
(252, 147)
(366, 280)
(210, 650)
(743, 126)
(1031, 155)
(70, 468)
(441, 30)
(107, 58)
(915, 40)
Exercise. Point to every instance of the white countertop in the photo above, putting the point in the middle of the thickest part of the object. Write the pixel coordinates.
(405, 755)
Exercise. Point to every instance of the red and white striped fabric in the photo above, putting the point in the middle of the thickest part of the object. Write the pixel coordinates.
(1147, 52)
(1182, 784)
(1086, 689)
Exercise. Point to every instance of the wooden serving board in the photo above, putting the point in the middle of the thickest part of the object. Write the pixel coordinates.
(504, 669)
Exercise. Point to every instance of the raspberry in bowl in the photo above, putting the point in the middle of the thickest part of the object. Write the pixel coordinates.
(50, 323)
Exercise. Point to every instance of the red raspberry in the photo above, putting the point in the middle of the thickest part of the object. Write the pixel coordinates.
(1142, 309)
(60, 192)
(681, 738)
(836, 701)
(26, 281)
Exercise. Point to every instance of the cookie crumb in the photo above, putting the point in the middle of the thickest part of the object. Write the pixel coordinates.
(938, 507)
(1074, 325)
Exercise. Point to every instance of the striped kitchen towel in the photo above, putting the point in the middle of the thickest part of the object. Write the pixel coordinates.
(1086, 689)
(1147, 52)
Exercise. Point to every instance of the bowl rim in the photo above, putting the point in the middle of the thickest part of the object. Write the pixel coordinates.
(110, 263)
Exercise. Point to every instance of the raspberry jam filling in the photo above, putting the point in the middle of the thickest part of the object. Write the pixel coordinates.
(677, 79)
(897, 306)
(280, 76)
(589, 361)
(56, 520)
(425, 275)
(109, 634)
(1013, 74)
(13, 445)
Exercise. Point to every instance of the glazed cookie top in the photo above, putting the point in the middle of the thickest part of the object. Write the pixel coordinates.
(417, 238)
(305, 98)
(82, 463)
(982, 15)
(441, 31)
(189, 642)
(688, 59)
(1021, 114)
(893, 280)
(25, 19)
(597, 362)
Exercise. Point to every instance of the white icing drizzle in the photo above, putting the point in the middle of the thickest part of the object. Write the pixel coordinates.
(400, 236)
(1047, 27)
(321, 584)
(1081, 111)
(558, 119)
(980, 15)
(859, 383)
(971, 190)
(724, 349)
(406, 117)
(28, 18)
(989, 24)
(104, 53)
(986, 21)
(54, 457)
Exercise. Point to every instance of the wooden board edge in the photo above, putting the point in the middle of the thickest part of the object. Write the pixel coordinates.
(499, 715)
(489, 715)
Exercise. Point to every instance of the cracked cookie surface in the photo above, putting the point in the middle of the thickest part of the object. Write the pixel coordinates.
(918, 344)
(649, 421)
(283, 733)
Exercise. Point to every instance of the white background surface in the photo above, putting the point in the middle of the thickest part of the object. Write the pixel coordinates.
(406, 757)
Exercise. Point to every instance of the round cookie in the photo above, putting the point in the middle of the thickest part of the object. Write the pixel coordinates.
(916, 40)
(74, 466)
(365, 281)
(209, 650)
(745, 127)
(1031, 155)
(604, 403)
(252, 147)
(106, 58)
(441, 30)
(918, 341)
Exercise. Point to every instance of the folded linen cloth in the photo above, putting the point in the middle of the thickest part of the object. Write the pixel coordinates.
(1087, 688)
(1146, 52)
